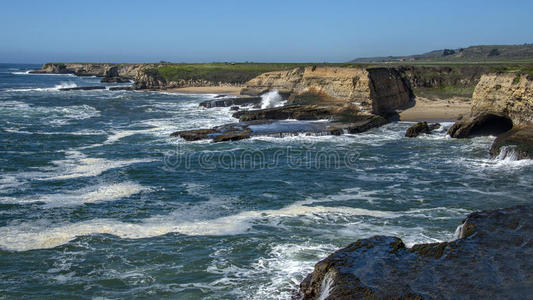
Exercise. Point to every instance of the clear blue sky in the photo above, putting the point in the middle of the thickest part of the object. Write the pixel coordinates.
(285, 31)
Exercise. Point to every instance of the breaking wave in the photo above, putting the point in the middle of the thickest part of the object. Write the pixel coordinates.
(271, 99)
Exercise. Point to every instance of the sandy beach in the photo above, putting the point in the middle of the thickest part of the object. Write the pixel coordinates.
(232, 90)
(437, 110)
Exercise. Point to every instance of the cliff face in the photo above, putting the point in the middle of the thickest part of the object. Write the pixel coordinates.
(375, 91)
(508, 94)
(492, 258)
(441, 76)
(92, 69)
(150, 78)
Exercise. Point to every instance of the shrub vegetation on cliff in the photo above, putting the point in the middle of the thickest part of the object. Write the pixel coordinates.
(234, 73)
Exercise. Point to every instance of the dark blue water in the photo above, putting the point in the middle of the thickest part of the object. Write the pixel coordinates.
(96, 200)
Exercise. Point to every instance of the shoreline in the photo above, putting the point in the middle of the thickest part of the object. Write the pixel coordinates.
(443, 110)
(231, 90)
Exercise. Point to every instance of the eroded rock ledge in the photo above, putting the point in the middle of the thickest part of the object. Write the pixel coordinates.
(492, 258)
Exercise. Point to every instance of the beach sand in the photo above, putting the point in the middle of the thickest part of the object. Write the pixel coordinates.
(437, 110)
(231, 90)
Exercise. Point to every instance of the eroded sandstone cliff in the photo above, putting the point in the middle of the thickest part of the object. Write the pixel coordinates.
(505, 93)
(377, 90)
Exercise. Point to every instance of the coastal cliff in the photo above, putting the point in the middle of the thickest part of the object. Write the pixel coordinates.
(376, 91)
(352, 100)
(492, 258)
(509, 94)
(502, 105)
(152, 79)
(93, 69)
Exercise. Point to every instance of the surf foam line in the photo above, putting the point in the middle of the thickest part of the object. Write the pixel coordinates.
(40, 74)
(92, 194)
(57, 87)
(75, 165)
(24, 237)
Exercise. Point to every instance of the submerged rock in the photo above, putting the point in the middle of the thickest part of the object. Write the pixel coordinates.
(194, 135)
(492, 258)
(363, 124)
(121, 88)
(83, 88)
(421, 127)
(517, 142)
(482, 125)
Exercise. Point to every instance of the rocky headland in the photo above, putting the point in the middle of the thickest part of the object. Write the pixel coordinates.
(109, 72)
(502, 105)
(492, 257)
(352, 100)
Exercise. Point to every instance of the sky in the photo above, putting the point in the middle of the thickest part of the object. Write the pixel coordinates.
(261, 31)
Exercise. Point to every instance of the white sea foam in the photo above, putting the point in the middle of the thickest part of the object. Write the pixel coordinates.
(271, 99)
(57, 87)
(278, 273)
(75, 165)
(92, 194)
(58, 115)
(79, 165)
(19, 239)
(40, 74)
(119, 134)
(21, 73)
(506, 160)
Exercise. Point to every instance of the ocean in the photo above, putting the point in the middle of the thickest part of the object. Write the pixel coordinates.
(98, 201)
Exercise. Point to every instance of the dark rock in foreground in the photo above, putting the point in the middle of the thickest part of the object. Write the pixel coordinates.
(492, 259)
(482, 125)
(421, 127)
(518, 140)
(231, 102)
(84, 88)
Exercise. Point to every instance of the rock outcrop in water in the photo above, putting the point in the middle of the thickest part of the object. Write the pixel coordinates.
(421, 127)
(375, 90)
(482, 125)
(280, 128)
(492, 258)
(517, 143)
(226, 102)
(83, 88)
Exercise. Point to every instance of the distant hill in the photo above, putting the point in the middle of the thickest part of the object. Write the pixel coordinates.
(471, 54)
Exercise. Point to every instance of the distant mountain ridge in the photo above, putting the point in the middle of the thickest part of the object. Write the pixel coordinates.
(470, 54)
